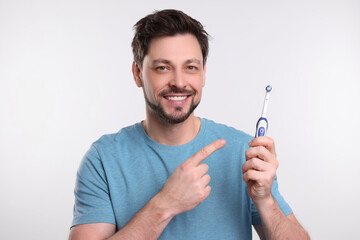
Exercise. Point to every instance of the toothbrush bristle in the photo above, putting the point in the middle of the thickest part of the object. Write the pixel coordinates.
(268, 88)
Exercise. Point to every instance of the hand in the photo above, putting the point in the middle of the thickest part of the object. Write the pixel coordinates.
(188, 186)
(260, 168)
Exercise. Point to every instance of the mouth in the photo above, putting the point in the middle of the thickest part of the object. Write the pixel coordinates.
(178, 99)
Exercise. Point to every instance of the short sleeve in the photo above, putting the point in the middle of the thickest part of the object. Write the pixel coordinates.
(284, 206)
(92, 200)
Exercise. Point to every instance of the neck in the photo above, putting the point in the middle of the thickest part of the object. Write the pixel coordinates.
(171, 134)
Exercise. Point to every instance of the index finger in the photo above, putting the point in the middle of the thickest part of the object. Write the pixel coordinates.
(206, 151)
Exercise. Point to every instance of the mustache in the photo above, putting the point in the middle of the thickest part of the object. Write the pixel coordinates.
(177, 90)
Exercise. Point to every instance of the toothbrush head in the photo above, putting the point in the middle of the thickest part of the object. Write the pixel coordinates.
(268, 88)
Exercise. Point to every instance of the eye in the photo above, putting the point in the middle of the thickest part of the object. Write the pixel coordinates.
(192, 68)
(161, 68)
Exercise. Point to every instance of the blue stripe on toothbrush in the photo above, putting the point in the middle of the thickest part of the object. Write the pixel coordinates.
(261, 131)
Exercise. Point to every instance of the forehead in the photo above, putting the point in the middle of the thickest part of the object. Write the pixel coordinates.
(175, 48)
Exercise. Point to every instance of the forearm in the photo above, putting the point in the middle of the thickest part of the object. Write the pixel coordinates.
(148, 223)
(276, 225)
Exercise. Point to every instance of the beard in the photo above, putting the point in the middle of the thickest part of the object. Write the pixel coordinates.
(178, 116)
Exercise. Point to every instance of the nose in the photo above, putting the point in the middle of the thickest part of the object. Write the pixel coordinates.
(178, 80)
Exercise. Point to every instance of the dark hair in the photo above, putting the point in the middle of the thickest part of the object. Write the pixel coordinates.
(167, 22)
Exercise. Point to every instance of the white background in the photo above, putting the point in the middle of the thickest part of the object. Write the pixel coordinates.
(65, 79)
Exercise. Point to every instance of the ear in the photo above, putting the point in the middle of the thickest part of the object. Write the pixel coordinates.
(204, 77)
(136, 70)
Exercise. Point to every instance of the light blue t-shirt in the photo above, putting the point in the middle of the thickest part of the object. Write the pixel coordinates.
(121, 172)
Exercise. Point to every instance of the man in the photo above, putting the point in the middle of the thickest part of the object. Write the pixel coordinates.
(152, 180)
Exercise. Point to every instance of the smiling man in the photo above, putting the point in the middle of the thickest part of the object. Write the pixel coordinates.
(175, 77)
(152, 180)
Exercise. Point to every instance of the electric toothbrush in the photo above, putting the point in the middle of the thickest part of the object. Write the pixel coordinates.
(262, 123)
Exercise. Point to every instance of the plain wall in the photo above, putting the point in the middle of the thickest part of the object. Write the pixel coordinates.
(65, 79)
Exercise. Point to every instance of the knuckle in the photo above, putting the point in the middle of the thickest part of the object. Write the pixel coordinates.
(204, 152)
(256, 163)
(243, 168)
(182, 167)
(185, 167)
(245, 177)
(203, 195)
(197, 188)
(247, 152)
(262, 149)
(251, 164)
(205, 166)
(251, 151)
(208, 190)
(194, 177)
(247, 165)
(207, 177)
(260, 183)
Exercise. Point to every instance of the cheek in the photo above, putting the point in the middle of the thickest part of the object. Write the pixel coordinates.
(199, 84)
(149, 89)
(152, 87)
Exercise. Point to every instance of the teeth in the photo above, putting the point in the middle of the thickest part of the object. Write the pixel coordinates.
(177, 98)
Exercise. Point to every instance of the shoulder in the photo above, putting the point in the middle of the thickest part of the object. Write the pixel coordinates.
(109, 146)
(125, 135)
(107, 149)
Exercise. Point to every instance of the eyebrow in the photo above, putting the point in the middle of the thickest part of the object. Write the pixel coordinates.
(165, 61)
(160, 60)
(193, 60)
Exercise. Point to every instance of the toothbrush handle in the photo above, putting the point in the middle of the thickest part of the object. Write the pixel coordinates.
(261, 127)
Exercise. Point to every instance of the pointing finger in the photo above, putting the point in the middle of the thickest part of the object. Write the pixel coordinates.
(205, 152)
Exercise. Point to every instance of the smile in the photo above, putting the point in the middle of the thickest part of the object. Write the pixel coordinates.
(176, 98)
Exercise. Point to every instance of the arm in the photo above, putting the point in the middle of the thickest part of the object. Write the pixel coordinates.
(289, 222)
(259, 172)
(148, 223)
(186, 188)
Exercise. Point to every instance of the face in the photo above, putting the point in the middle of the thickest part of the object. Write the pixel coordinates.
(172, 77)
